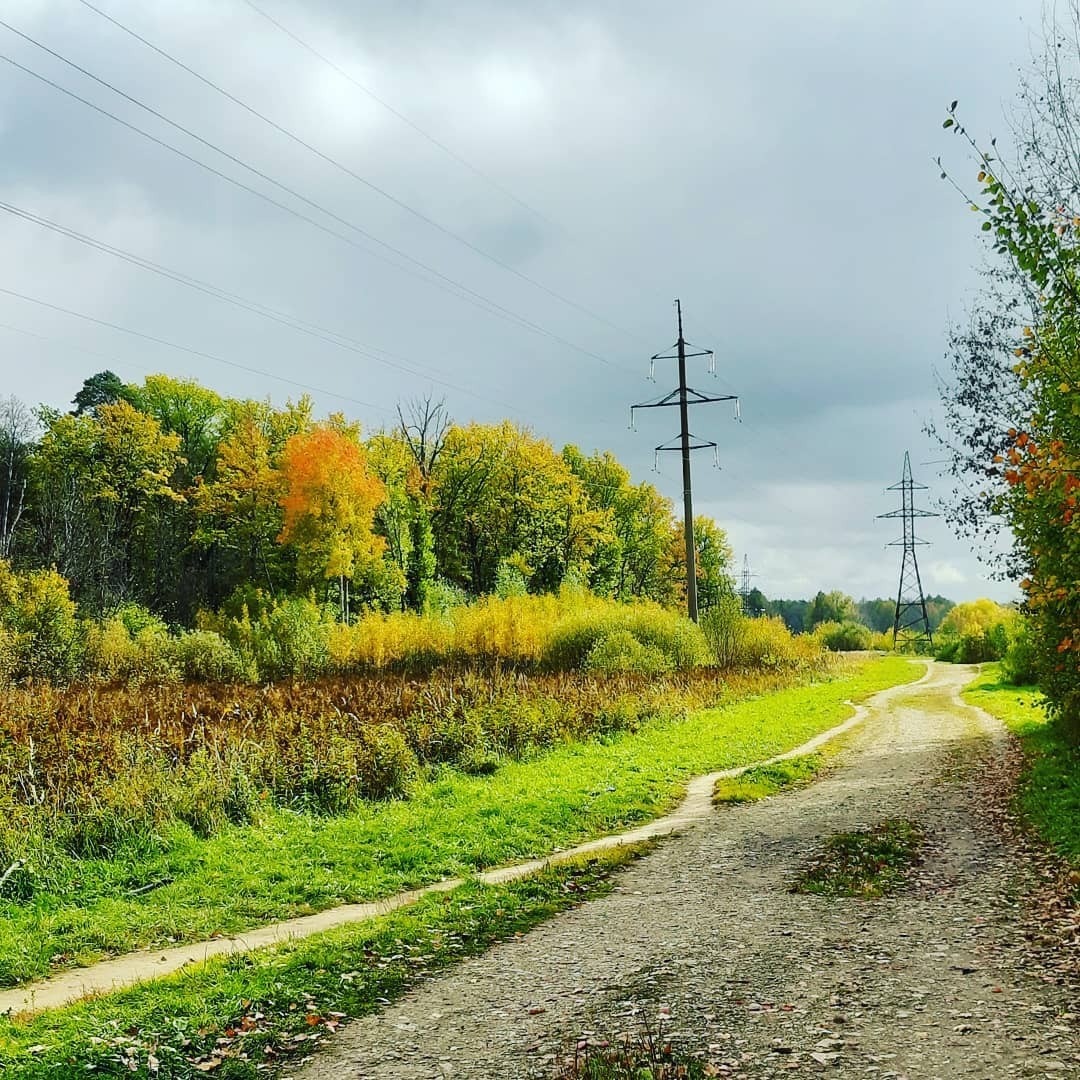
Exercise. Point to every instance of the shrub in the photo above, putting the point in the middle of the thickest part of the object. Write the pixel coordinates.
(844, 637)
(769, 645)
(621, 651)
(442, 597)
(675, 638)
(276, 639)
(39, 633)
(1019, 665)
(205, 656)
(115, 654)
(724, 627)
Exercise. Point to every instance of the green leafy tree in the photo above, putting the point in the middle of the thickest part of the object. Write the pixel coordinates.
(500, 492)
(632, 556)
(713, 559)
(99, 481)
(104, 388)
(831, 607)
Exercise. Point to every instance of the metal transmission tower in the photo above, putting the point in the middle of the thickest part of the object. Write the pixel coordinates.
(684, 396)
(744, 585)
(911, 624)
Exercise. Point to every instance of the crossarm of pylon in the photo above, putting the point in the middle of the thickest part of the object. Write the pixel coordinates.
(909, 512)
(663, 403)
(700, 399)
(676, 444)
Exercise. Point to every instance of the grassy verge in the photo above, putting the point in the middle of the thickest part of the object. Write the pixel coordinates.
(292, 862)
(866, 863)
(235, 1017)
(765, 780)
(1048, 796)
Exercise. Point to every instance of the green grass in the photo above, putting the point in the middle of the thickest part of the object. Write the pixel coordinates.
(294, 863)
(866, 863)
(229, 1016)
(765, 780)
(1048, 795)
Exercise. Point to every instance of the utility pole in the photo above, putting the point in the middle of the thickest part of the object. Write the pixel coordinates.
(685, 396)
(910, 620)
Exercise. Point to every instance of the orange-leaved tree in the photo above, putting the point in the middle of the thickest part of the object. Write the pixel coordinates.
(329, 498)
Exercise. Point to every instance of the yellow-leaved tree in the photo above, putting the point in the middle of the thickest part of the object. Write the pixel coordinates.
(329, 498)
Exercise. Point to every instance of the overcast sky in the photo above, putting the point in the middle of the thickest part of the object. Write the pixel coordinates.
(769, 163)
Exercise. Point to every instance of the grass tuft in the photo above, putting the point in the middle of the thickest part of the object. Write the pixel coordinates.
(866, 863)
(645, 1055)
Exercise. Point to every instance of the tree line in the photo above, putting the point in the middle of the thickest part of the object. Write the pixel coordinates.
(172, 496)
(802, 616)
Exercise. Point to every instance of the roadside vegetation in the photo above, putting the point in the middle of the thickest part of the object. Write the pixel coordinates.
(151, 875)
(1011, 414)
(237, 1017)
(1048, 795)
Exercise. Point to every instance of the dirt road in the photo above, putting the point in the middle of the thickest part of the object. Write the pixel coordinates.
(704, 934)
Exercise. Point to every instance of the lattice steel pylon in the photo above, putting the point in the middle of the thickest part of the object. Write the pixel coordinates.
(744, 585)
(911, 624)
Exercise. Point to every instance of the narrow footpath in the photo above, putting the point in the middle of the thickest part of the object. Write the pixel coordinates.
(704, 936)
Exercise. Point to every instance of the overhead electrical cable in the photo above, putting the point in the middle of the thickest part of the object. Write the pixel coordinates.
(371, 185)
(190, 351)
(334, 337)
(463, 291)
(486, 177)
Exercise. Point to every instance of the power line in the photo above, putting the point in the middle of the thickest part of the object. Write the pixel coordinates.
(190, 351)
(342, 341)
(337, 164)
(400, 116)
(464, 292)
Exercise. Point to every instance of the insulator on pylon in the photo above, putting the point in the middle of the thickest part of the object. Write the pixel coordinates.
(656, 461)
(652, 371)
(712, 363)
(716, 457)
(738, 411)
(632, 427)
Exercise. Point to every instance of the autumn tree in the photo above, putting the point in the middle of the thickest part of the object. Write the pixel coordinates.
(329, 498)
(501, 493)
(1012, 405)
(99, 480)
(633, 556)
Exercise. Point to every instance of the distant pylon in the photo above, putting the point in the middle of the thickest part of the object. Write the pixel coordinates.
(744, 585)
(911, 624)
